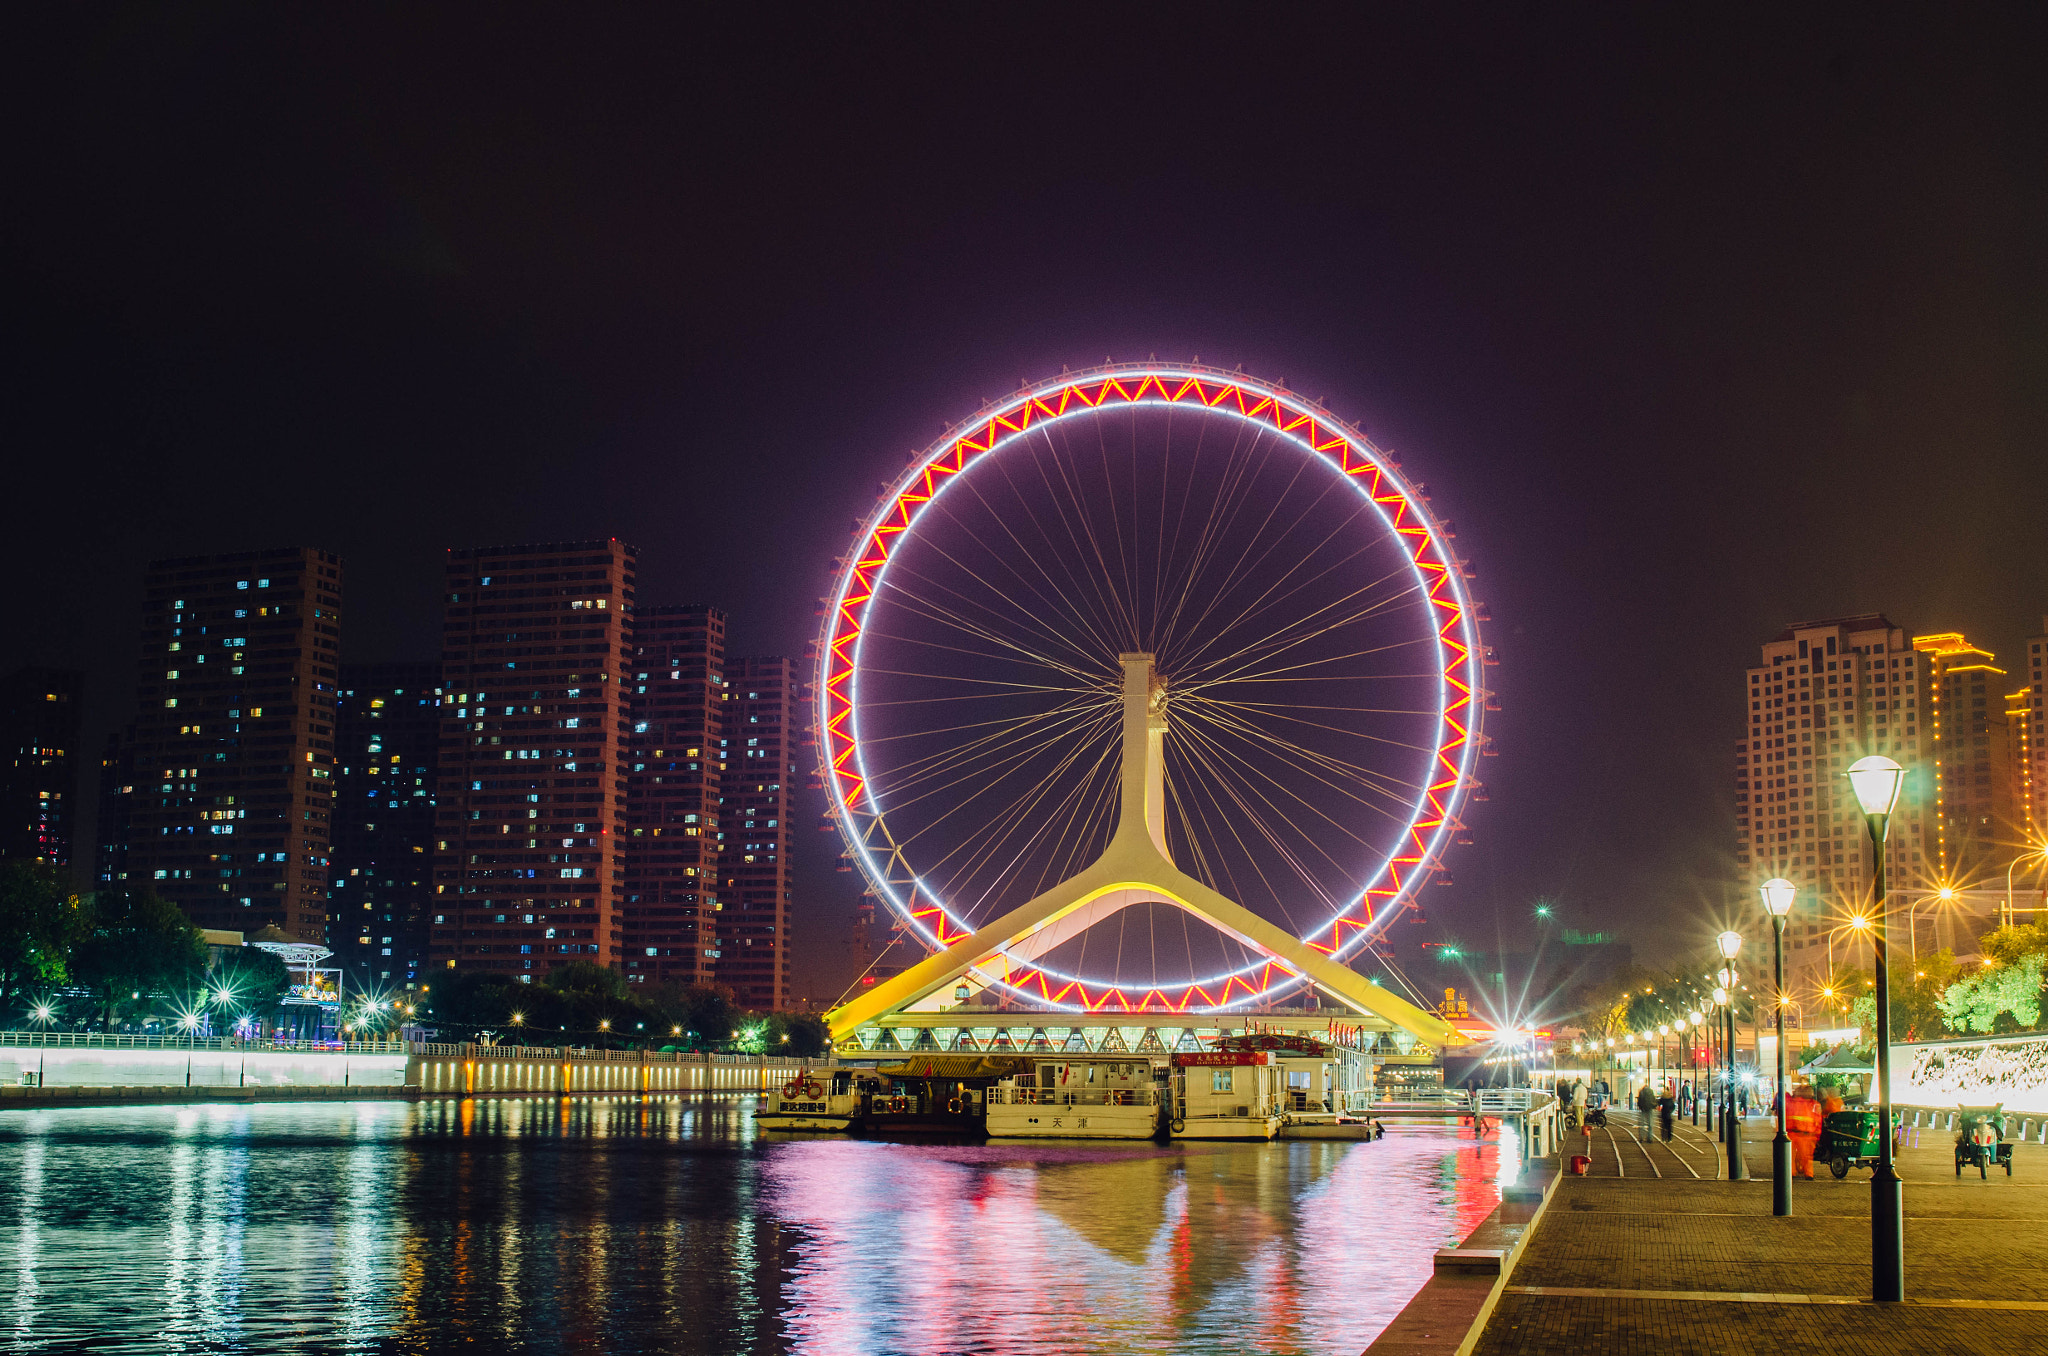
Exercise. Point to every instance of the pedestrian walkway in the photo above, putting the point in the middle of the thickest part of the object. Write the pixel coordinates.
(1656, 1252)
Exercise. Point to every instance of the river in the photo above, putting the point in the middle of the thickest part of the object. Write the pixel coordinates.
(672, 1225)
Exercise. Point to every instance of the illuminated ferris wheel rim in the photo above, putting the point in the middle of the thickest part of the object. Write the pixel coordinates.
(1436, 571)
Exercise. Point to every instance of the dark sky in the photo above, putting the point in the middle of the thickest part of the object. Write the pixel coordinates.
(1696, 323)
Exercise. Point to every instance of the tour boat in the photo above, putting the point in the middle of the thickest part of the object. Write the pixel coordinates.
(1078, 1098)
(1227, 1094)
(818, 1099)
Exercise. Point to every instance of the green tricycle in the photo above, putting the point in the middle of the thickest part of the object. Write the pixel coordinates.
(1848, 1139)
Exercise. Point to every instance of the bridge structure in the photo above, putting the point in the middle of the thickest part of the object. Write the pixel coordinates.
(938, 1003)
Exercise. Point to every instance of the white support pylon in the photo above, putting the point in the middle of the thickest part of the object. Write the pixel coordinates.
(1134, 868)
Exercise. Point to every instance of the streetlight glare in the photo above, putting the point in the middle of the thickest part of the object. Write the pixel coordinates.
(1721, 997)
(1728, 943)
(1876, 781)
(1778, 895)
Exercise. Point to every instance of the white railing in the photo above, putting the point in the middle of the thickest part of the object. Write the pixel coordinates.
(1048, 1097)
(559, 1053)
(90, 1040)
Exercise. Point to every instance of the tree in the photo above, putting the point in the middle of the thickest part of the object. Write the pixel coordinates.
(41, 922)
(139, 945)
(1978, 1002)
(256, 979)
(797, 1033)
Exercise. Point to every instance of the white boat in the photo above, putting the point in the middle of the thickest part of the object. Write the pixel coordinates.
(1227, 1094)
(818, 1099)
(1066, 1098)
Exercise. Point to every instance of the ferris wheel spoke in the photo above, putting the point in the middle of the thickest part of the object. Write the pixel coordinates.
(1039, 734)
(1281, 844)
(1210, 786)
(1057, 601)
(1031, 622)
(1267, 602)
(1087, 603)
(1279, 642)
(1001, 824)
(1072, 822)
(1224, 714)
(1210, 752)
(1307, 761)
(1247, 561)
(1239, 464)
(1068, 493)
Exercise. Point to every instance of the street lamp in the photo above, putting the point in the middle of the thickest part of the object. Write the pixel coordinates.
(1779, 894)
(1692, 1059)
(1728, 943)
(1876, 781)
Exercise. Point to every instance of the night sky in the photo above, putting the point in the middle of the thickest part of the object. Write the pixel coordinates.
(1694, 329)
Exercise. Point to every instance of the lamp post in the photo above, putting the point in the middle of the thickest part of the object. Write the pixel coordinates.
(1876, 781)
(1779, 894)
(1728, 943)
(1692, 1058)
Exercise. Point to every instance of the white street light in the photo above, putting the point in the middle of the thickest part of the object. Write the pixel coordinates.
(1728, 943)
(1778, 896)
(1876, 781)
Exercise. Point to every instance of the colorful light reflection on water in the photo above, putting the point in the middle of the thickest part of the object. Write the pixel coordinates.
(672, 1226)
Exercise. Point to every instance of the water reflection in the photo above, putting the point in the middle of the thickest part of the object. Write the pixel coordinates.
(672, 1226)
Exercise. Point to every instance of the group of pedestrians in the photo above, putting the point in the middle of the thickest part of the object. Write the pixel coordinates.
(1663, 1104)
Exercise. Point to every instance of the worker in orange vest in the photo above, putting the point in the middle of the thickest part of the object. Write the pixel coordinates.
(1802, 1127)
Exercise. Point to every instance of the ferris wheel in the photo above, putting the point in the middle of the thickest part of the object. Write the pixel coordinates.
(1152, 687)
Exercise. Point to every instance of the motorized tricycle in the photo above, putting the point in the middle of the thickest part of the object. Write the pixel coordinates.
(1848, 1139)
(1980, 1141)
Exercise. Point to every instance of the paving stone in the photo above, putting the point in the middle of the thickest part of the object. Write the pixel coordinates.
(1626, 1228)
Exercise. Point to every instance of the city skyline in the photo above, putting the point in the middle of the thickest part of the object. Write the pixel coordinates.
(1663, 430)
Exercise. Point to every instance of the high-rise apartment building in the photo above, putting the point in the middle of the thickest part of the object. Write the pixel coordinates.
(1975, 819)
(234, 738)
(676, 769)
(529, 868)
(39, 778)
(763, 713)
(387, 734)
(118, 790)
(2029, 716)
(1825, 694)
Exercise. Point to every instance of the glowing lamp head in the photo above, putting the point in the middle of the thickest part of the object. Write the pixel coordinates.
(1663, 1028)
(1946, 892)
(1876, 781)
(1859, 921)
(1721, 997)
(605, 1025)
(1778, 895)
(43, 1012)
(518, 1017)
(1728, 943)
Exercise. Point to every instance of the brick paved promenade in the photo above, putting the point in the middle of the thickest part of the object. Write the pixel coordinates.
(1655, 1254)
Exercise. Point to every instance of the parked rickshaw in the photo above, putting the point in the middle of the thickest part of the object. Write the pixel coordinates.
(1848, 1139)
(1980, 1140)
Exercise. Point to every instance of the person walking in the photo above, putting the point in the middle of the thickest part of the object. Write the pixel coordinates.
(1646, 1105)
(1802, 1127)
(1667, 1110)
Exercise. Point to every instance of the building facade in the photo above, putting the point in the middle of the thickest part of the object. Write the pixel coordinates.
(118, 789)
(529, 864)
(2030, 722)
(1972, 758)
(1824, 694)
(39, 718)
(676, 771)
(387, 735)
(234, 738)
(763, 714)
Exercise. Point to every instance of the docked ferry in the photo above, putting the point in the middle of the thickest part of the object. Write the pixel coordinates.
(1227, 1094)
(821, 1099)
(924, 1094)
(1078, 1098)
